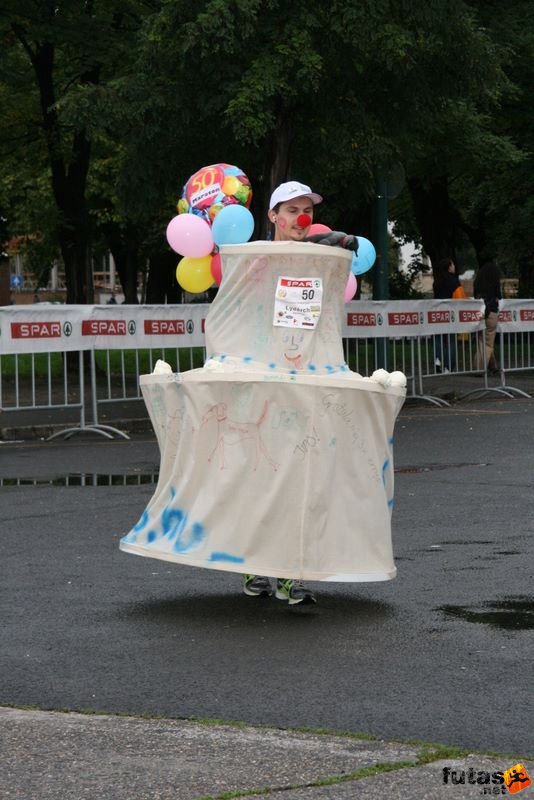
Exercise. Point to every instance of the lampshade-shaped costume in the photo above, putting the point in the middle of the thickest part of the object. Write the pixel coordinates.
(276, 459)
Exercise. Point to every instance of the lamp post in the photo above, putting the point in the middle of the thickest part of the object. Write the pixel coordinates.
(380, 272)
(380, 236)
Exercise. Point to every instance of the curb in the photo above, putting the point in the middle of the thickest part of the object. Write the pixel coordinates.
(45, 431)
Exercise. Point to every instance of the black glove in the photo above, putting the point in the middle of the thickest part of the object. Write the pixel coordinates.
(335, 239)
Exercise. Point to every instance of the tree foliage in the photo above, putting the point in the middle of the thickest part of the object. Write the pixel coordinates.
(122, 102)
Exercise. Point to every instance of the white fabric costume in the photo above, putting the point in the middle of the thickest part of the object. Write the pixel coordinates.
(276, 459)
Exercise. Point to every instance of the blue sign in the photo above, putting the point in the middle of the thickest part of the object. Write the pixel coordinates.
(15, 281)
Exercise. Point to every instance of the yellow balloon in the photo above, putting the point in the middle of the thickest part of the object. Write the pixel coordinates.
(194, 274)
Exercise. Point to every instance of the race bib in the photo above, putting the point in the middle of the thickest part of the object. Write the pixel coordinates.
(298, 302)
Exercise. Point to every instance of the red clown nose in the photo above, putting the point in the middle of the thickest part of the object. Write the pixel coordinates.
(304, 220)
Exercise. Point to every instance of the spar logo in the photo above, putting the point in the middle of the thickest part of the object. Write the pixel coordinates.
(439, 317)
(361, 319)
(67, 328)
(526, 314)
(169, 327)
(501, 782)
(107, 327)
(505, 316)
(305, 283)
(470, 316)
(397, 318)
(165, 327)
(36, 330)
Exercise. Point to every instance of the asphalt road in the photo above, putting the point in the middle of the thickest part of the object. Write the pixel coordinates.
(443, 653)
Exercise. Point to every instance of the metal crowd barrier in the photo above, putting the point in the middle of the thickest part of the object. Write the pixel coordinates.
(44, 380)
(82, 358)
(515, 338)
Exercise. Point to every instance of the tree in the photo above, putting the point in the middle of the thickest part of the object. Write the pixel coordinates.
(121, 105)
(470, 178)
(325, 94)
(60, 54)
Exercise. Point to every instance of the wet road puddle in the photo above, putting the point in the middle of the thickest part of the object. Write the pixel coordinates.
(151, 476)
(437, 467)
(511, 613)
(88, 479)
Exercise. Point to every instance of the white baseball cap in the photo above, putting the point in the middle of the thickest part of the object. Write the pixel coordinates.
(292, 189)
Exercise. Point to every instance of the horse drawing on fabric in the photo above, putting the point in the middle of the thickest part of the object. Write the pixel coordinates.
(229, 432)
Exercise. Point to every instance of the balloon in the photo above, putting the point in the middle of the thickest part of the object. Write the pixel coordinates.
(364, 258)
(232, 225)
(190, 236)
(318, 227)
(194, 274)
(216, 268)
(350, 288)
(212, 188)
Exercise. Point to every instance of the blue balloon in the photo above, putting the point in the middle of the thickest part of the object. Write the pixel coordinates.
(233, 224)
(364, 258)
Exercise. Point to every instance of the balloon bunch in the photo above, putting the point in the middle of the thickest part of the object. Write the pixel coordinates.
(213, 210)
(362, 259)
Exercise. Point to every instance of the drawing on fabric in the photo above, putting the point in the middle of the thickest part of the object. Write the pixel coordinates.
(261, 332)
(131, 537)
(310, 442)
(228, 433)
(292, 352)
(228, 557)
(173, 528)
(174, 427)
(256, 270)
(289, 419)
(331, 405)
(157, 402)
(387, 474)
(242, 399)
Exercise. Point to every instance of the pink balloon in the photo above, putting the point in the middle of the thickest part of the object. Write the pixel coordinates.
(216, 268)
(350, 288)
(318, 227)
(190, 236)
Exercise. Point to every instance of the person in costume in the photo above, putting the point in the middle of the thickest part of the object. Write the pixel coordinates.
(275, 419)
(291, 212)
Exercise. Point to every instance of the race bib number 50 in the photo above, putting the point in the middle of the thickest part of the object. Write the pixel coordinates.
(297, 302)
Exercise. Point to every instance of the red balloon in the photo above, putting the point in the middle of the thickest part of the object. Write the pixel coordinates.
(304, 220)
(318, 227)
(216, 268)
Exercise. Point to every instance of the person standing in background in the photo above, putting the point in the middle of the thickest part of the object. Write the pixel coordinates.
(446, 286)
(487, 287)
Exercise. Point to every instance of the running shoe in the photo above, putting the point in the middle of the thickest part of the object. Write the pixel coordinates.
(293, 592)
(257, 586)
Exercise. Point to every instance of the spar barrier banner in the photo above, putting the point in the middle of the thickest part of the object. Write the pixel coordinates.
(413, 318)
(59, 328)
(515, 316)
